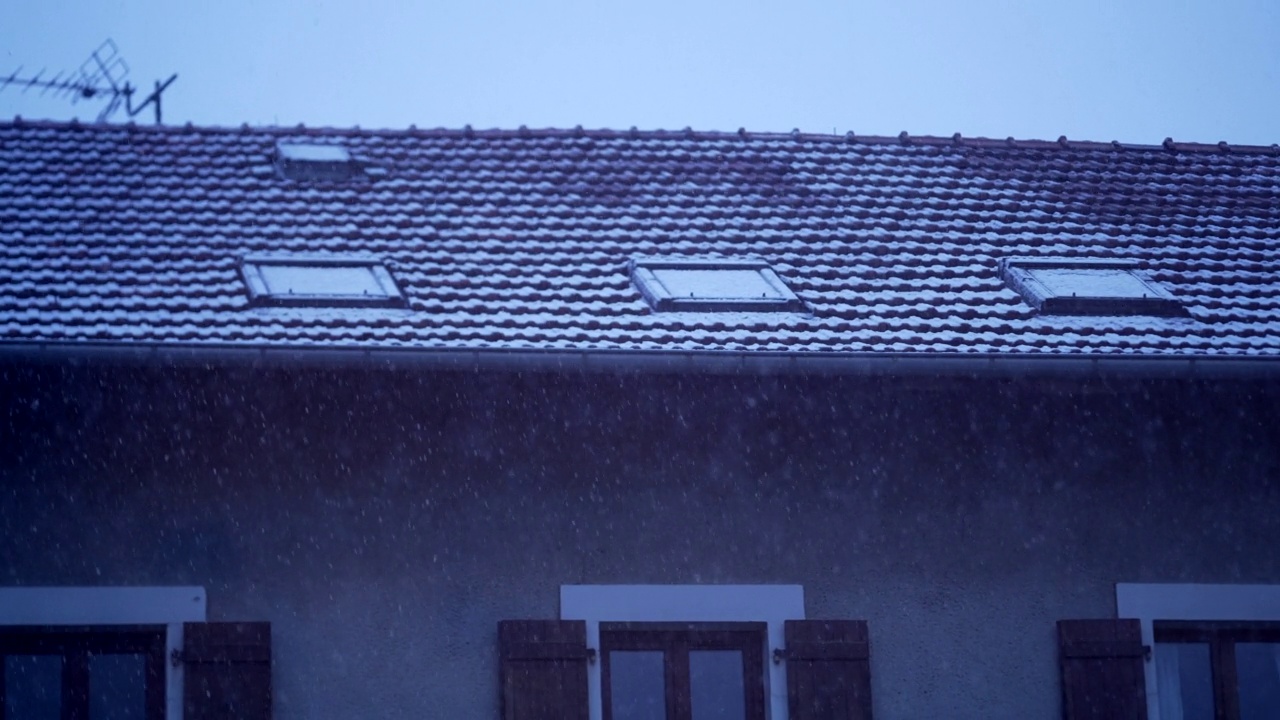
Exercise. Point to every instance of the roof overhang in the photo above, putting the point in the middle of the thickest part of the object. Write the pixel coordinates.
(961, 365)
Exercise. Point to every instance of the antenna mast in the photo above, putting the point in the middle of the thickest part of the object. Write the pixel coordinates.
(102, 75)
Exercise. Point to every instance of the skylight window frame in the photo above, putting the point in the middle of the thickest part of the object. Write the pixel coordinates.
(302, 169)
(1019, 273)
(662, 299)
(261, 295)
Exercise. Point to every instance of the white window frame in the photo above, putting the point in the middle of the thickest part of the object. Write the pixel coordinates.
(1149, 602)
(105, 606)
(770, 604)
(1020, 274)
(661, 299)
(303, 161)
(261, 294)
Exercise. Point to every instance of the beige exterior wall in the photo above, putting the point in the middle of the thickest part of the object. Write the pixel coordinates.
(385, 522)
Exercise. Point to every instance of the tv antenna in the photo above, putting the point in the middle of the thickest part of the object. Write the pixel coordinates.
(101, 76)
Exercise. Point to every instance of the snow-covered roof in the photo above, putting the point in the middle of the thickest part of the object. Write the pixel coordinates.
(524, 240)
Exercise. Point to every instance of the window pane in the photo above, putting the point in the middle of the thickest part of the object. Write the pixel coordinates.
(1185, 680)
(320, 280)
(117, 687)
(715, 685)
(716, 284)
(33, 687)
(637, 686)
(1097, 282)
(1258, 671)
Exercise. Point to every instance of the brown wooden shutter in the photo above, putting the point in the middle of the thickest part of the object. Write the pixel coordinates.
(1102, 674)
(226, 671)
(543, 669)
(828, 669)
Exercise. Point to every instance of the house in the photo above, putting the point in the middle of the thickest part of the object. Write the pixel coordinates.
(316, 423)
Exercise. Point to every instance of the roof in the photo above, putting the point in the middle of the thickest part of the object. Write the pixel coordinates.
(518, 242)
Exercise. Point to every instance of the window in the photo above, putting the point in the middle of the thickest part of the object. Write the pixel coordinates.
(663, 624)
(1060, 286)
(320, 282)
(656, 652)
(1218, 670)
(713, 286)
(315, 162)
(89, 653)
(128, 653)
(83, 673)
(1216, 648)
(682, 670)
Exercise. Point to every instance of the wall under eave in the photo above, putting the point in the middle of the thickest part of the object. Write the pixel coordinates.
(385, 521)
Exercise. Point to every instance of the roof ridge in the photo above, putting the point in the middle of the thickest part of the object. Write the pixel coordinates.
(903, 138)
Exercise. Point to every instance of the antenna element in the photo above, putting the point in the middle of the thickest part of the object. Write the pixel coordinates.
(102, 75)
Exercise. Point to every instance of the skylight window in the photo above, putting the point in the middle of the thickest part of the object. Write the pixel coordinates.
(320, 282)
(712, 286)
(315, 162)
(1058, 286)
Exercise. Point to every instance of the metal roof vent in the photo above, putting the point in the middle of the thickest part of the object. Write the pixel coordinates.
(713, 286)
(1061, 286)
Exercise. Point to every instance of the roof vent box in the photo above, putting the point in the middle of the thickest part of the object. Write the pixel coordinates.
(1064, 286)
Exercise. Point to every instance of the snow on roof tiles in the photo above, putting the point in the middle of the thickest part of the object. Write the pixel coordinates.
(522, 239)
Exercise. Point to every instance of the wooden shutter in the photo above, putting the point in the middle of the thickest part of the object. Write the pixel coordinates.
(1102, 673)
(226, 671)
(543, 669)
(828, 669)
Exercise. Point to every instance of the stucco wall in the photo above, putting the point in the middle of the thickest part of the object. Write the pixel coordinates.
(385, 522)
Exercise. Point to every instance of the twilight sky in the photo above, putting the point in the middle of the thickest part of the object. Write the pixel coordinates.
(1129, 70)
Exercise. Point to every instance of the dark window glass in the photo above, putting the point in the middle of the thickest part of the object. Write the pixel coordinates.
(638, 690)
(117, 687)
(1185, 676)
(33, 687)
(715, 685)
(1258, 675)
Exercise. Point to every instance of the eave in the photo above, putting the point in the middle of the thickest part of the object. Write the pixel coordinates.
(1079, 366)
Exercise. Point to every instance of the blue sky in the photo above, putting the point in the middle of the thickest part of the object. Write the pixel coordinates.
(1129, 70)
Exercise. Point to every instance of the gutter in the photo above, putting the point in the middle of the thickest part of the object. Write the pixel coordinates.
(971, 365)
